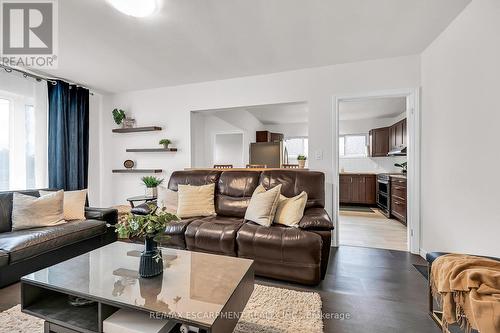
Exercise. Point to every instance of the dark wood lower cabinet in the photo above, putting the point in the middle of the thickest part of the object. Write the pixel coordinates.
(398, 199)
(357, 189)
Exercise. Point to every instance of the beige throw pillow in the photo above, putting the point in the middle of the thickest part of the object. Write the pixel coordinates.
(74, 204)
(291, 210)
(167, 199)
(32, 212)
(263, 204)
(195, 200)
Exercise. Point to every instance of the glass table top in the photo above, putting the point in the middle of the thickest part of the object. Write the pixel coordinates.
(194, 286)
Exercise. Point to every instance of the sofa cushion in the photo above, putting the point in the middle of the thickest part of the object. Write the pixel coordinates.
(192, 177)
(4, 258)
(214, 234)
(296, 181)
(234, 190)
(316, 219)
(281, 252)
(28, 243)
(6, 209)
(175, 231)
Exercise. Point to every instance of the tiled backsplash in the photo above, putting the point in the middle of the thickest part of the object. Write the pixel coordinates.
(371, 164)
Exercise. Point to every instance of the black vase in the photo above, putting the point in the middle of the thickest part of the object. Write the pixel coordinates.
(151, 263)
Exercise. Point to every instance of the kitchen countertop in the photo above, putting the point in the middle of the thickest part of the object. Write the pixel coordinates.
(395, 175)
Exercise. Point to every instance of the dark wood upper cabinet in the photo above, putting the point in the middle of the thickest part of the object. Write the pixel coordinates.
(397, 135)
(266, 136)
(379, 142)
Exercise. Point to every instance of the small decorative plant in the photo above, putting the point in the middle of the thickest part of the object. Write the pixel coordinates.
(165, 142)
(118, 116)
(151, 184)
(403, 166)
(151, 227)
(302, 161)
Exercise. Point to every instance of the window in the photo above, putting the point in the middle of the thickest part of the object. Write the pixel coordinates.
(354, 145)
(4, 143)
(296, 147)
(22, 143)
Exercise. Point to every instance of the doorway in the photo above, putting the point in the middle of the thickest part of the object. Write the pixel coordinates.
(377, 165)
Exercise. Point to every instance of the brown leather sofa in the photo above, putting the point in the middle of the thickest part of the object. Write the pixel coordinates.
(26, 251)
(293, 254)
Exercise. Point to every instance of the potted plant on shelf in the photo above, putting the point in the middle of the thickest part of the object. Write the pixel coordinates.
(151, 228)
(151, 184)
(165, 143)
(301, 159)
(120, 118)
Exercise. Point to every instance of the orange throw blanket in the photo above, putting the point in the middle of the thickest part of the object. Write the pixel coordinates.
(468, 288)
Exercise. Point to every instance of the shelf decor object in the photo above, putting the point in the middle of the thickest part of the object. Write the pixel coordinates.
(137, 171)
(150, 150)
(128, 164)
(137, 129)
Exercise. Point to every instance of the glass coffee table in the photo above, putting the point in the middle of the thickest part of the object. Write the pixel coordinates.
(201, 290)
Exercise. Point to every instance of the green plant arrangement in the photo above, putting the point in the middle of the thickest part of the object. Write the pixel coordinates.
(118, 116)
(301, 158)
(151, 225)
(165, 142)
(151, 181)
(403, 166)
(151, 228)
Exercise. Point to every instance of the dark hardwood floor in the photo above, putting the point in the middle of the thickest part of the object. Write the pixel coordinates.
(380, 290)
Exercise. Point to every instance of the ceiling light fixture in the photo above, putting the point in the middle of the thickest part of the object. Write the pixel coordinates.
(136, 8)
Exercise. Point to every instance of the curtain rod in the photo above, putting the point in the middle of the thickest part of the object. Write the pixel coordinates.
(38, 78)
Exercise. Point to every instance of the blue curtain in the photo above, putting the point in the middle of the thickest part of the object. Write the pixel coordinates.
(68, 146)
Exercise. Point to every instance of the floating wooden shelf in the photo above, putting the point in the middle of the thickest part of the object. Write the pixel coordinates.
(137, 171)
(137, 129)
(150, 150)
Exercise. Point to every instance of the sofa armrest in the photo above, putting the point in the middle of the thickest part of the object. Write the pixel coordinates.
(316, 219)
(108, 215)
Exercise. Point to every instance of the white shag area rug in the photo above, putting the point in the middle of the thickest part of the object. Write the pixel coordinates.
(269, 310)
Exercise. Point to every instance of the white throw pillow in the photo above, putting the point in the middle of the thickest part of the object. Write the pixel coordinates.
(74, 204)
(263, 204)
(291, 210)
(32, 212)
(196, 200)
(167, 199)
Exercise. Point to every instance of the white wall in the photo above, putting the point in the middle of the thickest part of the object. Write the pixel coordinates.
(228, 149)
(170, 107)
(95, 150)
(293, 130)
(460, 124)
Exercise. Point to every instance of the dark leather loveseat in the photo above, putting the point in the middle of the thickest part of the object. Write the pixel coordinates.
(280, 252)
(26, 251)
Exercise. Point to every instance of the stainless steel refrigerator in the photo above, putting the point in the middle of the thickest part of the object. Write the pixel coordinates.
(271, 154)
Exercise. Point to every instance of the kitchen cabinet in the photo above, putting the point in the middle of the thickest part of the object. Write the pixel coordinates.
(357, 189)
(266, 136)
(398, 198)
(397, 135)
(379, 142)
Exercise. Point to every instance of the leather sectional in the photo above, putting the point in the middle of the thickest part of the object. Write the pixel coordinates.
(280, 252)
(26, 251)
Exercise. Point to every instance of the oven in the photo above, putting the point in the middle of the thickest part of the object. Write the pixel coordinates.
(383, 193)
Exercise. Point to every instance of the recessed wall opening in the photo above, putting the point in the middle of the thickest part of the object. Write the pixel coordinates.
(233, 137)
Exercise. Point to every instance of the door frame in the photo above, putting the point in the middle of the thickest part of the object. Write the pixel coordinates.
(413, 114)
